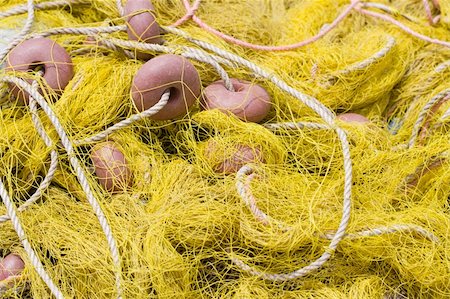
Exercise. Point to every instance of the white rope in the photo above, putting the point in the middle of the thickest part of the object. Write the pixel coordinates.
(445, 115)
(297, 126)
(442, 66)
(127, 122)
(26, 28)
(384, 230)
(35, 261)
(423, 113)
(203, 57)
(329, 117)
(188, 52)
(362, 65)
(80, 31)
(389, 10)
(120, 7)
(113, 47)
(371, 60)
(20, 9)
(246, 174)
(10, 207)
(53, 160)
(79, 172)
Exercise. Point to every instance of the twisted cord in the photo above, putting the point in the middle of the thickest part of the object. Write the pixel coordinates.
(362, 65)
(190, 11)
(246, 174)
(26, 28)
(389, 10)
(432, 20)
(20, 9)
(120, 8)
(81, 30)
(371, 60)
(423, 114)
(384, 230)
(10, 207)
(354, 5)
(35, 261)
(404, 27)
(201, 56)
(53, 159)
(228, 38)
(187, 52)
(297, 125)
(328, 116)
(79, 172)
(127, 122)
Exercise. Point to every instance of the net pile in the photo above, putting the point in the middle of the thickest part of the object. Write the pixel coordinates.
(298, 205)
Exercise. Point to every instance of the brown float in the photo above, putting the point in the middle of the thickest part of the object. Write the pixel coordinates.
(164, 72)
(142, 25)
(250, 102)
(45, 53)
(110, 167)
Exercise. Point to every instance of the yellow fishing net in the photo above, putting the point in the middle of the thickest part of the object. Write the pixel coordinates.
(262, 225)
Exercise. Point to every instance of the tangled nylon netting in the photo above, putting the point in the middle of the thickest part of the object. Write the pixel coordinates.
(110, 193)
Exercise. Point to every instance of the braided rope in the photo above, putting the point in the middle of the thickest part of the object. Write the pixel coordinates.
(328, 116)
(188, 52)
(35, 261)
(10, 207)
(127, 122)
(384, 230)
(120, 8)
(53, 159)
(296, 126)
(203, 57)
(190, 11)
(362, 65)
(371, 60)
(80, 31)
(403, 27)
(354, 5)
(442, 66)
(26, 28)
(423, 113)
(432, 20)
(228, 38)
(113, 47)
(389, 10)
(246, 174)
(20, 9)
(112, 243)
(226, 57)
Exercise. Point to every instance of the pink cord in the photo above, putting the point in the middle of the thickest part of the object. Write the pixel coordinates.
(236, 41)
(428, 11)
(404, 27)
(432, 20)
(436, 4)
(190, 14)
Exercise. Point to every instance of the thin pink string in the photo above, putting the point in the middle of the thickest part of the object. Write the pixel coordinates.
(404, 27)
(436, 4)
(190, 14)
(432, 20)
(190, 11)
(236, 41)
(428, 11)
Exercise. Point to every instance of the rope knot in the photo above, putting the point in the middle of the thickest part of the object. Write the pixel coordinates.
(190, 12)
